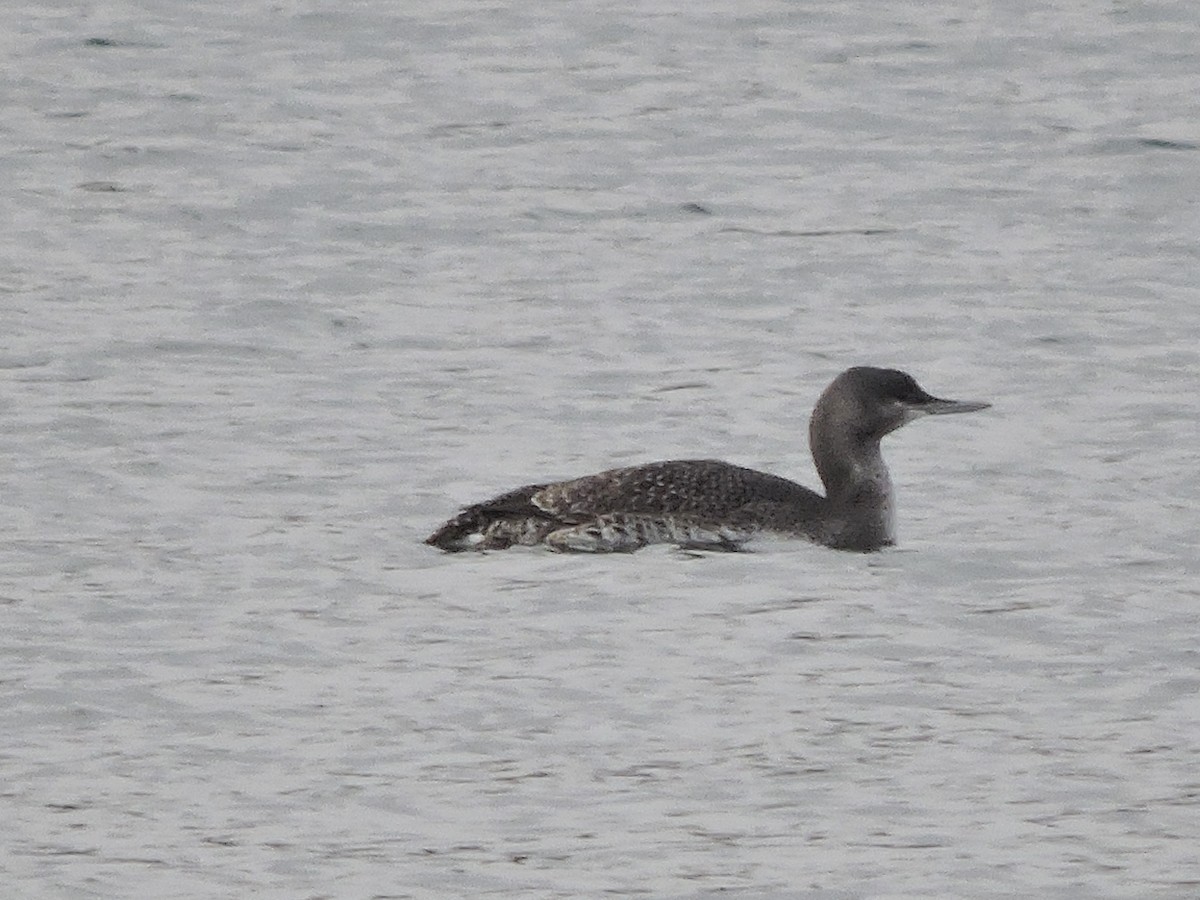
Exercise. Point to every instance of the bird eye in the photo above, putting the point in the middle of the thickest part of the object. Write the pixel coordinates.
(909, 391)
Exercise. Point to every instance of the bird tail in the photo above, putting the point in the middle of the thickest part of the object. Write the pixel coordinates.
(515, 507)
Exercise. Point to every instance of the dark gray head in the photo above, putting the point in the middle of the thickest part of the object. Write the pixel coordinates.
(858, 408)
(869, 403)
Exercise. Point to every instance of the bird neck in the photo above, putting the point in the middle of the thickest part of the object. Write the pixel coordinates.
(858, 489)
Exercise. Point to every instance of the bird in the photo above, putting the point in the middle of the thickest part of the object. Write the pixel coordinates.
(710, 504)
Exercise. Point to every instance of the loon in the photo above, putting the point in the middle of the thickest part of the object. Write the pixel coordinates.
(709, 504)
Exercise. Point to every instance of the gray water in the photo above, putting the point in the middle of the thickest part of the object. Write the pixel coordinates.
(285, 284)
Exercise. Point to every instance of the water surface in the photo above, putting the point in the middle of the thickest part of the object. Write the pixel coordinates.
(284, 287)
